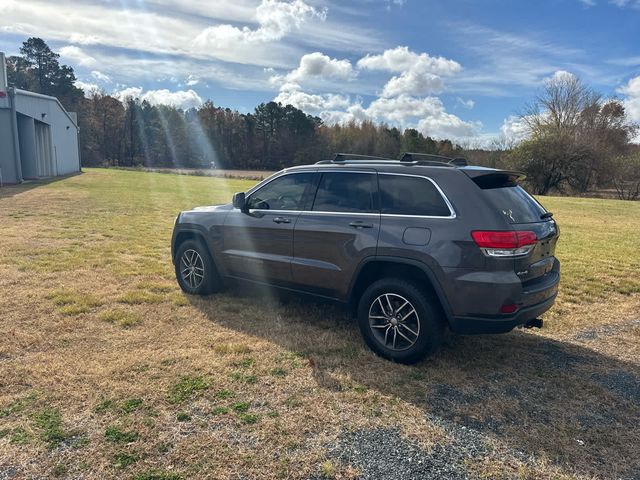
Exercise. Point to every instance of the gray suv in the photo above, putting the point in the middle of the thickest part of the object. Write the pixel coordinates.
(412, 245)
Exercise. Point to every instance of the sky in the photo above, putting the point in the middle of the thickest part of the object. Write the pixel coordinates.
(459, 69)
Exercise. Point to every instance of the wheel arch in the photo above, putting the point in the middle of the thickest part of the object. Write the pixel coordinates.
(375, 268)
(182, 235)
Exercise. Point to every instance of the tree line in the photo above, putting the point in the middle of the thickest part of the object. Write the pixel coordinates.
(577, 140)
(134, 132)
(273, 136)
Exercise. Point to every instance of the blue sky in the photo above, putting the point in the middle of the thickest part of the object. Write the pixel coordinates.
(461, 69)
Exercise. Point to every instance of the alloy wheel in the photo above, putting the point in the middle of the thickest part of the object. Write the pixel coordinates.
(192, 268)
(394, 321)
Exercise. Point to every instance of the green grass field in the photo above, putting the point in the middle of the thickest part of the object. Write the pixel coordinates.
(107, 370)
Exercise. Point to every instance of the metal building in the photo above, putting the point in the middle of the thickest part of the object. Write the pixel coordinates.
(38, 137)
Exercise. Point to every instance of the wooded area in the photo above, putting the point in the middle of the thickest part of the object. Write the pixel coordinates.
(577, 139)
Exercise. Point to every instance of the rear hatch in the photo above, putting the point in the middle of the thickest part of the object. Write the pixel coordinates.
(525, 214)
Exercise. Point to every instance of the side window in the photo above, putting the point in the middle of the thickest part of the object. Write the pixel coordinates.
(402, 195)
(346, 192)
(284, 193)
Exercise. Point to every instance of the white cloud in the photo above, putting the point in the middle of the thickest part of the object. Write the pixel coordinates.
(83, 39)
(275, 20)
(147, 39)
(420, 74)
(77, 55)
(319, 105)
(90, 89)
(468, 104)
(98, 75)
(427, 114)
(444, 125)
(331, 108)
(631, 102)
(413, 82)
(318, 65)
(180, 99)
(192, 80)
(402, 101)
(128, 93)
(153, 29)
(401, 59)
(401, 110)
(514, 129)
(561, 75)
(354, 113)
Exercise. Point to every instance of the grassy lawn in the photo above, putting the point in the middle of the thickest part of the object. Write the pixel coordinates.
(108, 371)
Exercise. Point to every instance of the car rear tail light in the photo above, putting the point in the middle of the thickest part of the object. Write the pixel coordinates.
(508, 308)
(508, 243)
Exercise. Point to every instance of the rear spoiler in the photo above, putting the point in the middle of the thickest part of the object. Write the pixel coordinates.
(491, 178)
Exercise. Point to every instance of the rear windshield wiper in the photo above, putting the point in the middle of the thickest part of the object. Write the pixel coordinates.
(546, 215)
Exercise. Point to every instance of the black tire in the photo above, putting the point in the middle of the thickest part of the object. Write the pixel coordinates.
(379, 330)
(203, 278)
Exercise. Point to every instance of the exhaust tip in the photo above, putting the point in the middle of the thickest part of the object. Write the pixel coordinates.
(535, 323)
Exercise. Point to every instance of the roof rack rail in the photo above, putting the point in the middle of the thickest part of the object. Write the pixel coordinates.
(407, 159)
(458, 161)
(345, 157)
(341, 157)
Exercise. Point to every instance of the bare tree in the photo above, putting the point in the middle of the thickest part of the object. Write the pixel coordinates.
(626, 176)
(573, 131)
(558, 108)
(503, 143)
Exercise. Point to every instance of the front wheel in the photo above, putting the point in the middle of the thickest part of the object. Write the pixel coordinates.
(195, 270)
(398, 321)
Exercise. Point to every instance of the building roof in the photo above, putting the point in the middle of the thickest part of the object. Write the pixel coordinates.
(27, 93)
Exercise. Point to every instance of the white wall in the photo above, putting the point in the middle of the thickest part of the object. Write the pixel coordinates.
(7, 157)
(64, 134)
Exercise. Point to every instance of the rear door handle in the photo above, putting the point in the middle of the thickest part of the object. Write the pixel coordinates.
(360, 224)
(281, 220)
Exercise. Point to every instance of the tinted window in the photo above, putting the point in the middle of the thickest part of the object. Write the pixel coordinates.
(346, 192)
(403, 195)
(515, 204)
(284, 193)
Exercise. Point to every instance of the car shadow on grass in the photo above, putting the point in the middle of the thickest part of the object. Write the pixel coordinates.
(560, 402)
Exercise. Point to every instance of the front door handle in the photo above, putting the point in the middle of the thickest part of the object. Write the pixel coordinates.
(360, 224)
(281, 220)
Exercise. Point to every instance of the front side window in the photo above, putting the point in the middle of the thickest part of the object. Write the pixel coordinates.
(404, 195)
(283, 193)
(346, 192)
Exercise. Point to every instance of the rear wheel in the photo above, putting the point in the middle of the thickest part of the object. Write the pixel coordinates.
(195, 271)
(399, 321)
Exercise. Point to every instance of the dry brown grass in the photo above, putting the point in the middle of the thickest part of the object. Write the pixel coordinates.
(108, 371)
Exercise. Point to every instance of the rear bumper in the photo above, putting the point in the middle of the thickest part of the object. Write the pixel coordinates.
(533, 299)
(477, 325)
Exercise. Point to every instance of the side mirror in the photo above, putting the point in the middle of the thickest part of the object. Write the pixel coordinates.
(239, 201)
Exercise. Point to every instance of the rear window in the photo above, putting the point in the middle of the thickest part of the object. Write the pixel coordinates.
(515, 204)
(405, 195)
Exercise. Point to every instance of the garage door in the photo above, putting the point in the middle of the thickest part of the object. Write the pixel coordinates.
(43, 150)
